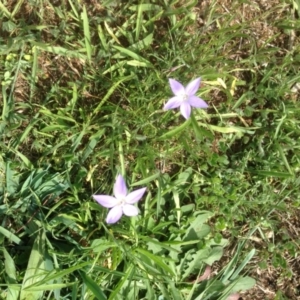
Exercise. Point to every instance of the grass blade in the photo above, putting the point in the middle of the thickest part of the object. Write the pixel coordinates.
(111, 90)
(5, 10)
(87, 34)
(243, 264)
(139, 21)
(135, 56)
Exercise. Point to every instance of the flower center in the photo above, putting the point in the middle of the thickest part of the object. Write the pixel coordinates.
(184, 97)
(121, 202)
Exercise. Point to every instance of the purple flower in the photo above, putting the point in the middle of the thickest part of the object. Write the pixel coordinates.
(121, 203)
(185, 97)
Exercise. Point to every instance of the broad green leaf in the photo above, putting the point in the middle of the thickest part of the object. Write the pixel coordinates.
(10, 270)
(195, 234)
(144, 43)
(157, 245)
(195, 264)
(183, 177)
(11, 184)
(240, 284)
(10, 267)
(198, 230)
(100, 245)
(202, 217)
(187, 208)
(36, 269)
(10, 235)
(93, 286)
(154, 247)
(214, 255)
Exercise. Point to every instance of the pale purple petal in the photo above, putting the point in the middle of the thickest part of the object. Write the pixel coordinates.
(130, 210)
(120, 189)
(173, 103)
(106, 201)
(197, 102)
(114, 214)
(176, 87)
(193, 87)
(185, 110)
(135, 196)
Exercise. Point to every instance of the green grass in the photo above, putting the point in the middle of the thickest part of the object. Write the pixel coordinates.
(83, 87)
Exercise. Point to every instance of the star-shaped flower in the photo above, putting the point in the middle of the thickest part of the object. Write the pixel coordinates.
(185, 97)
(121, 203)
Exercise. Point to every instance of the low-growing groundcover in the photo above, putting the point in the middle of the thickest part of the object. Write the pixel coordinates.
(205, 201)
